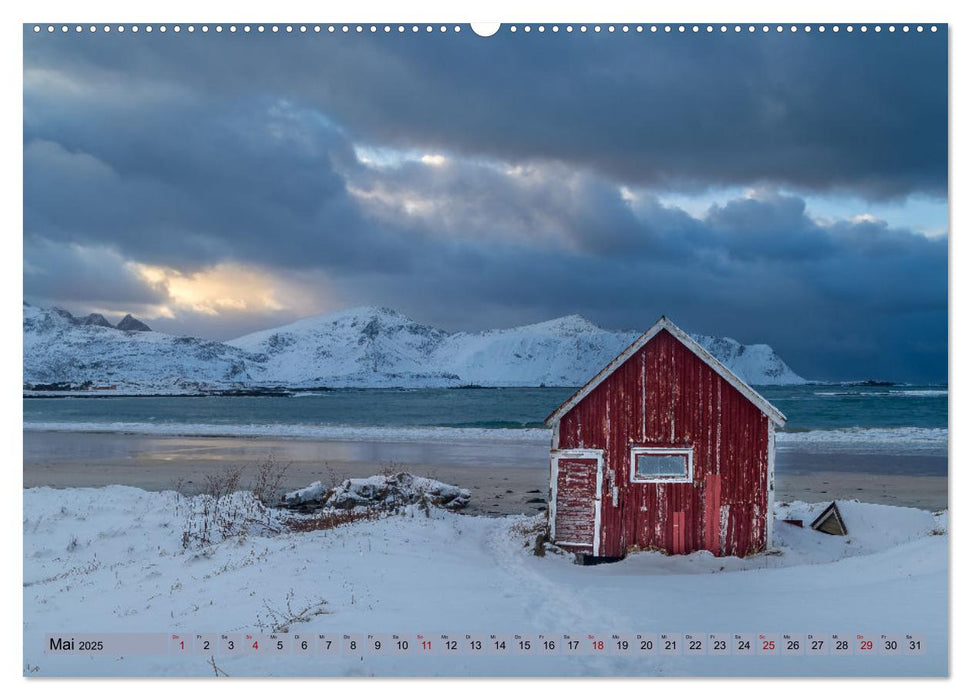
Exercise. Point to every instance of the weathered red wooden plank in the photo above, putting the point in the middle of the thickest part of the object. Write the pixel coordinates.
(712, 513)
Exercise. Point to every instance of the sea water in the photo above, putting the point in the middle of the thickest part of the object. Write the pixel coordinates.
(841, 416)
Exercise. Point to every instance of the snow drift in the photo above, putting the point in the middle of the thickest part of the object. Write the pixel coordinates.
(112, 560)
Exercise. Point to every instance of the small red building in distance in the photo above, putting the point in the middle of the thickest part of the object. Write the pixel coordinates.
(664, 449)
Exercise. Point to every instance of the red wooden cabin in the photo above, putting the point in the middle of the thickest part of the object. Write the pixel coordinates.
(664, 449)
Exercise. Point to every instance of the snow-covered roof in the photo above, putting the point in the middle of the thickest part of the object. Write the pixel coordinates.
(664, 324)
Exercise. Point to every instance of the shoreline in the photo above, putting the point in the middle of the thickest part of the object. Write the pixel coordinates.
(505, 477)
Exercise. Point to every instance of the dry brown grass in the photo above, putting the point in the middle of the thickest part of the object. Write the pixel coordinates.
(330, 519)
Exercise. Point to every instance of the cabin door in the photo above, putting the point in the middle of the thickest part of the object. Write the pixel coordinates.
(576, 483)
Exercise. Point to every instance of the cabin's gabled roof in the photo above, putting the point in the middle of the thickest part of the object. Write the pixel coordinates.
(748, 392)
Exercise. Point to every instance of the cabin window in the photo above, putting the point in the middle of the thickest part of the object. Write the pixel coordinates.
(654, 464)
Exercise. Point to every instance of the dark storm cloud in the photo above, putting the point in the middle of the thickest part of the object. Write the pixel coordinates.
(866, 113)
(192, 185)
(848, 300)
(188, 151)
(56, 274)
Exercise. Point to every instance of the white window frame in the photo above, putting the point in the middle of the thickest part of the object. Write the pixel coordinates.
(687, 452)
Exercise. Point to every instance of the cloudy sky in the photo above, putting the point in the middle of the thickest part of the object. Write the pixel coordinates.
(787, 189)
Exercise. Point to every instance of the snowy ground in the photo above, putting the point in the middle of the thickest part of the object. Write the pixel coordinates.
(111, 560)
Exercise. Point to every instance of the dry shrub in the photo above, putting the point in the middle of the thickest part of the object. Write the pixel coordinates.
(280, 620)
(223, 483)
(267, 486)
(224, 510)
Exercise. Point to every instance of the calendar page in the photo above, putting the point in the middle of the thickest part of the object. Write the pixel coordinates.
(610, 349)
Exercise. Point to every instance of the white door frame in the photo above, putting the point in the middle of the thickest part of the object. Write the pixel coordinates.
(582, 453)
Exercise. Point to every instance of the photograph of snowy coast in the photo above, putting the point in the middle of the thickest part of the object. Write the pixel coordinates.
(411, 354)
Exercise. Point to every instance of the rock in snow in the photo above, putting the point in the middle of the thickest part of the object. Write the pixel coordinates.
(130, 323)
(381, 491)
(95, 320)
(363, 347)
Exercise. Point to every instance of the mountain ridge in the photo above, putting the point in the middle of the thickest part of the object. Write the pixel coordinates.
(359, 347)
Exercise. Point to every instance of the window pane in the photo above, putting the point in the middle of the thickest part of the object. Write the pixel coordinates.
(651, 466)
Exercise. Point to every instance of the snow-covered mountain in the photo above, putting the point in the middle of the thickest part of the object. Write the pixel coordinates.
(60, 349)
(380, 347)
(362, 347)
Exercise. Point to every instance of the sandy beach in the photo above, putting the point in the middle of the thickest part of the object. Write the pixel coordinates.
(504, 478)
